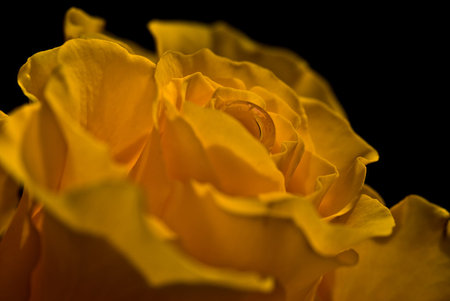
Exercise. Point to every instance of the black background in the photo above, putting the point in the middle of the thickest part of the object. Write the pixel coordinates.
(387, 65)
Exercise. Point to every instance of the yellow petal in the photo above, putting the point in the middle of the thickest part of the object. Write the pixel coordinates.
(9, 198)
(222, 146)
(228, 94)
(79, 24)
(25, 139)
(412, 264)
(238, 232)
(86, 79)
(369, 218)
(9, 189)
(152, 174)
(238, 75)
(119, 244)
(34, 74)
(188, 37)
(19, 253)
(74, 158)
(335, 141)
(312, 177)
(110, 92)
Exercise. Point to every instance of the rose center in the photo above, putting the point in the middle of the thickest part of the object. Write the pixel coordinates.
(254, 118)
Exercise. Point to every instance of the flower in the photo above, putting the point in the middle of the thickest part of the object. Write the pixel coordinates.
(215, 168)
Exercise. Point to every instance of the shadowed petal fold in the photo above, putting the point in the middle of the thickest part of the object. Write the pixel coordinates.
(127, 241)
(188, 37)
(412, 264)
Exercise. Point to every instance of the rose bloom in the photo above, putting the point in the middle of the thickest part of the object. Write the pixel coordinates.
(214, 169)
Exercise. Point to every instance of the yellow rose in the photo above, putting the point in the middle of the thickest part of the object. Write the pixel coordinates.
(187, 175)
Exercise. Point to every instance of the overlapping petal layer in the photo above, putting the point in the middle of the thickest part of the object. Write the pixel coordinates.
(412, 264)
(246, 220)
(9, 192)
(102, 87)
(33, 130)
(125, 243)
(188, 37)
(19, 254)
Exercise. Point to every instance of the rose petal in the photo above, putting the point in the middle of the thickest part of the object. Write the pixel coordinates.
(74, 160)
(288, 148)
(208, 145)
(25, 139)
(335, 141)
(9, 189)
(312, 177)
(412, 264)
(225, 238)
(121, 243)
(19, 253)
(369, 218)
(79, 24)
(9, 199)
(110, 92)
(195, 88)
(151, 173)
(239, 75)
(188, 37)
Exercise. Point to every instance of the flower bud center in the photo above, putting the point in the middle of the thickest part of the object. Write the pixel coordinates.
(254, 118)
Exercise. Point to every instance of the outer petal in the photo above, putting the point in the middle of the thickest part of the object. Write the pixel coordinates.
(123, 243)
(188, 37)
(79, 24)
(101, 86)
(19, 253)
(334, 140)
(74, 160)
(412, 264)
(9, 189)
(268, 245)
(110, 92)
(369, 218)
(8, 200)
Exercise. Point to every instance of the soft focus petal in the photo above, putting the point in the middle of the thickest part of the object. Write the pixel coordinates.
(19, 253)
(9, 197)
(25, 140)
(79, 24)
(110, 92)
(369, 218)
(188, 37)
(412, 264)
(211, 228)
(74, 158)
(122, 243)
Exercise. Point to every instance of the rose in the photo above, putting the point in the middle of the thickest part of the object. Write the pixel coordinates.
(255, 233)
